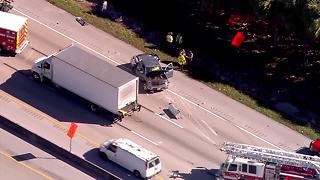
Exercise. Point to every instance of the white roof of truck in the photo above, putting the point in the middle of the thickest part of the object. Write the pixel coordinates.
(11, 22)
(134, 149)
(95, 66)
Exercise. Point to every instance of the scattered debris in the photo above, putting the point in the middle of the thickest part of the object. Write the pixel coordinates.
(81, 21)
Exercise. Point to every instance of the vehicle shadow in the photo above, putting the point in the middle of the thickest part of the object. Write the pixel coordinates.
(306, 151)
(195, 174)
(55, 102)
(94, 157)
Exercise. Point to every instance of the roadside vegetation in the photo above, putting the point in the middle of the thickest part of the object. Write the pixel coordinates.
(273, 65)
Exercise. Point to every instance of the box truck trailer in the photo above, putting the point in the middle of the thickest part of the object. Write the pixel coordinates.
(13, 32)
(92, 78)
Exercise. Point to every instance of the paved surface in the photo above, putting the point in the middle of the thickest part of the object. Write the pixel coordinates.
(21, 160)
(187, 146)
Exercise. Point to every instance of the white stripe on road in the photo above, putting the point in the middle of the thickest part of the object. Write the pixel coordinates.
(212, 113)
(169, 120)
(144, 137)
(259, 137)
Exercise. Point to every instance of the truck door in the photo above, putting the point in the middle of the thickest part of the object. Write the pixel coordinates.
(169, 70)
(47, 70)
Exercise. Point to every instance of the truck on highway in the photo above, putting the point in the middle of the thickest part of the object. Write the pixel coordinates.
(142, 162)
(153, 76)
(246, 162)
(13, 32)
(94, 79)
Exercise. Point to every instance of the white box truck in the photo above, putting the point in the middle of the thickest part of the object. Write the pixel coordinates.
(142, 162)
(94, 79)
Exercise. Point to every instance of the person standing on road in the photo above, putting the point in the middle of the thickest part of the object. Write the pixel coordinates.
(182, 59)
(189, 58)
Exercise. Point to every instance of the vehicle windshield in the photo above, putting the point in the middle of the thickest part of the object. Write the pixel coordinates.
(153, 163)
(152, 69)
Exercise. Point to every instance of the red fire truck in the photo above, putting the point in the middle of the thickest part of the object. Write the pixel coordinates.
(247, 162)
(13, 32)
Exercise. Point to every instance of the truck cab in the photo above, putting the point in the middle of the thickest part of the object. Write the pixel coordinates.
(42, 69)
(149, 70)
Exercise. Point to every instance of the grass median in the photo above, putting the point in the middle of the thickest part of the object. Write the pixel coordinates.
(120, 31)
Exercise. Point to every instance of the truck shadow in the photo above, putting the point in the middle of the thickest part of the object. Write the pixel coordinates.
(195, 174)
(94, 157)
(55, 102)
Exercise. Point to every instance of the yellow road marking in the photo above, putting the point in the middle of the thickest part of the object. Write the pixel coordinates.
(51, 119)
(27, 166)
(159, 177)
(46, 117)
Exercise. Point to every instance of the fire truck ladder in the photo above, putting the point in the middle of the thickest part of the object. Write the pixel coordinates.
(273, 156)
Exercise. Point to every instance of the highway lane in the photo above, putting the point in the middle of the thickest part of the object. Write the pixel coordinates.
(214, 103)
(195, 121)
(21, 160)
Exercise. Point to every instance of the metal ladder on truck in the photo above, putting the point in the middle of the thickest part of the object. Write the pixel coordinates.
(271, 155)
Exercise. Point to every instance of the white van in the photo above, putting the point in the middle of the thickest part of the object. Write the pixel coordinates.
(131, 156)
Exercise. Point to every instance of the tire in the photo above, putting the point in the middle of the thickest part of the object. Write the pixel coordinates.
(137, 173)
(104, 155)
(36, 76)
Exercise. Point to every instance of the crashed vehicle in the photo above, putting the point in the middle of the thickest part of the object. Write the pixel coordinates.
(315, 146)
(153, 76)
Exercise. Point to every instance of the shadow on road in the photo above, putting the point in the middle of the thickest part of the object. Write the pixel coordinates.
(56, 102)
(94, 157)
(195, 174)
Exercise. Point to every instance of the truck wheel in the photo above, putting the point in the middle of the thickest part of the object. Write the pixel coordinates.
(36, 76)
(104, 155)
(137, 173)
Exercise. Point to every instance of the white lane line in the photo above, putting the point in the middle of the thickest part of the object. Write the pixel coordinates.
(216, 115)
(214, 132)
(144, 137)
(259, 138)
(169, 120)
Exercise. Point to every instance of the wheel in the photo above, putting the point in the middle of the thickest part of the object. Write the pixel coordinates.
(137, 173)
(93, 107)
(104, 155)
(36, 76)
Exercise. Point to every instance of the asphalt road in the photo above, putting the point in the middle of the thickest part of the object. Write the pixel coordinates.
(21, 160)
(188, 146)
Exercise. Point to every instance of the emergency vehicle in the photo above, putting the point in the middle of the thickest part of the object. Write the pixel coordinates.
(13, 32)
(247, 162)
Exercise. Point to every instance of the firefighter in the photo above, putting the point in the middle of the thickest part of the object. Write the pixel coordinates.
(182, 59)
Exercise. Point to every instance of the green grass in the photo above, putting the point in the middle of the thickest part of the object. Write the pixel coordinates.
(121, 32)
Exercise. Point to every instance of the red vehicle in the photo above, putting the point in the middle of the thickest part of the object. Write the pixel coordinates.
(13, 32)
(315, 146)
(246, 162)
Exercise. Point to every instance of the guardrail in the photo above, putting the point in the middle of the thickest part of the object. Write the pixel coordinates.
(60, 153)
